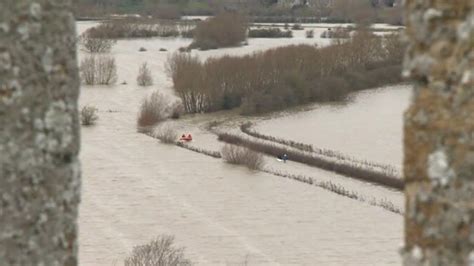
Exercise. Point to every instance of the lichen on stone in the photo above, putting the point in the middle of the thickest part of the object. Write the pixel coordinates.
(417, 253)
(438, 167)
(431, 14)
(47, 60)
(5, 62)
(5, 27)
(35, 10)
(39, 142)
(441, 165)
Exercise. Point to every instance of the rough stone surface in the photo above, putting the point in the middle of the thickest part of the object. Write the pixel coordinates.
(439, 133)
(39, 133)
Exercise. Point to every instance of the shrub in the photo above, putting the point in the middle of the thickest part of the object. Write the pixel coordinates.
(89, 115)
(329, 89)
(88, 70)
(95, 45)
(392, 15)
(106, 70)
(153, 109)
(310, 34)
(239, 155)
(223, 30)
(167, 135)
(98, 70)
(144, 76)
(336, 33)
(297, 27)
(394, 47)
(133, 28)
(177, 110)
(161, 251)
(142, 49)
(269, 33)
(184, 71)
(187, 33)
(163, 50)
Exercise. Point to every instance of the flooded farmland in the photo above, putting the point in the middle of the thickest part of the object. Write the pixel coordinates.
(369, 126)
(136, 188)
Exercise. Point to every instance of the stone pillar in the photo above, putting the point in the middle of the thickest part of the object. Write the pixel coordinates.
(439, 133)
(39, 133)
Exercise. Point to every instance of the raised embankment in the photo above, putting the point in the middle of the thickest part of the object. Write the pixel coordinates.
(389, 170)
(337, 166)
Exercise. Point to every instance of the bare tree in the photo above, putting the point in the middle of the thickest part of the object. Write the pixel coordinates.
(359, 11)
(321, 7)
(95, 45)
(144, 77)
(106, 70)
(89, 115)
(98, 70)
(394, 47)
(88, 70)
(159, 252)
(185, 71)
(154, 108)
(341, 9)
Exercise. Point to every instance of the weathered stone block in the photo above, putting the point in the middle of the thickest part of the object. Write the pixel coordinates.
(39, 133)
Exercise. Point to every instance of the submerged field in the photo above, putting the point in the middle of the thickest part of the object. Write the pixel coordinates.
(367, 127)
(135, 188)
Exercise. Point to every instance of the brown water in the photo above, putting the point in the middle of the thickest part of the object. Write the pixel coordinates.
(135, 188)
(369, 127)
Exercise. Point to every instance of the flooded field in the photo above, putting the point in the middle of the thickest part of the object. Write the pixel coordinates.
(369, 126)
(135, 188)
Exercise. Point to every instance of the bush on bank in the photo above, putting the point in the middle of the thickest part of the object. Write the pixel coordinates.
(242, 156)
(224, 30)
(270, 33)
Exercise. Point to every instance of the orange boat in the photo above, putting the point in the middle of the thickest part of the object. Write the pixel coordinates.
(186, 138)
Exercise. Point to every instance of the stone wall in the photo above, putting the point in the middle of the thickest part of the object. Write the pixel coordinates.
(39, 133)
(439, 133)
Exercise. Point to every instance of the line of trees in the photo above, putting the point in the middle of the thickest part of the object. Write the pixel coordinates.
(388, 11)
(139, 28)
(286, 76)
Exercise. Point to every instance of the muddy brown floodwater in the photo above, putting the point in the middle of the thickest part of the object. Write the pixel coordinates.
(134, 188)
(369, 126)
